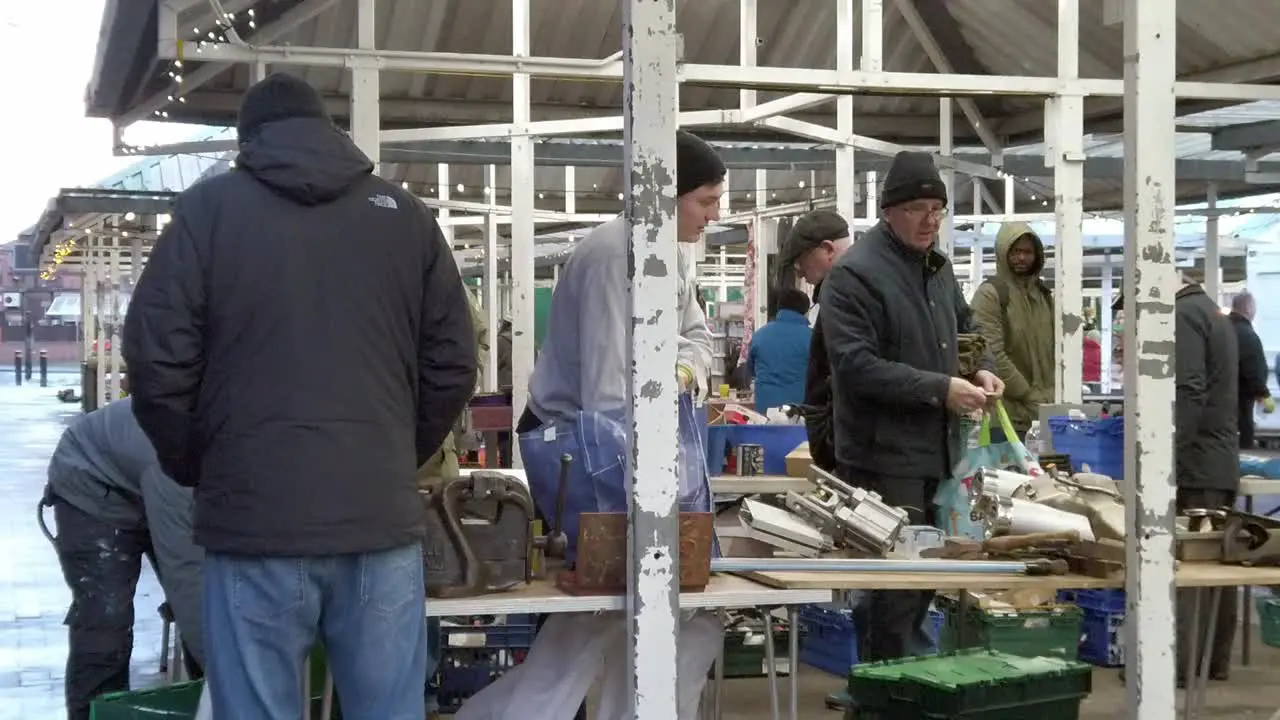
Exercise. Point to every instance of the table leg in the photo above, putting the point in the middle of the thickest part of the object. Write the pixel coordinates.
(770, 659)
(1246, 623)
(719, 694)
(1193, 654)
(1202, 677)
(793, 651)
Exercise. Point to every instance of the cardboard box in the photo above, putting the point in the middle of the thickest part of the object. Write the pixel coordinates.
(798, 461)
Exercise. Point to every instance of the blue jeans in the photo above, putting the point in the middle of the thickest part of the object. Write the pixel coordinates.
(262, 616)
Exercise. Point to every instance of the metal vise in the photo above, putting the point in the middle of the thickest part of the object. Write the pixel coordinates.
(852, 517)
(479, 535)
(1247, 539)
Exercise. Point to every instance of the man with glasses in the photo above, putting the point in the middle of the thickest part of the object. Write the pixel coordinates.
(891, 312)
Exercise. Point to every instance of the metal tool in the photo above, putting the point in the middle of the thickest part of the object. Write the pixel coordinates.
(555, 544)
(852, 517)
(479, 534)
(1250, 540)
(875, 565)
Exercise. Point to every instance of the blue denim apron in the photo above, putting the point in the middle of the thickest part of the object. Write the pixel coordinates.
(600, 447)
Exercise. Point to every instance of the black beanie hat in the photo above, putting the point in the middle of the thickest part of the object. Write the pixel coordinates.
(697, 163)
(912, 176)
(277, 97)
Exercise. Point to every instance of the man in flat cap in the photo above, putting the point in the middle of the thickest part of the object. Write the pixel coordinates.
(891, 311)
(815, 243)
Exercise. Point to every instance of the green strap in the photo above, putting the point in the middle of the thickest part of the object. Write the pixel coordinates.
(984, 430)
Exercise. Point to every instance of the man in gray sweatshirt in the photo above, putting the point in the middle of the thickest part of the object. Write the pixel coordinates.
(113, 504)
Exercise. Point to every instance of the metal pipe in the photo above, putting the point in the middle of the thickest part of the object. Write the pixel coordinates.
(738, 565)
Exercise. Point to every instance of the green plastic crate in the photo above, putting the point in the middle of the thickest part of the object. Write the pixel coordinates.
(742, 660)
(972, 685)
(172, 702)
(1051, 631)
(1269, 620)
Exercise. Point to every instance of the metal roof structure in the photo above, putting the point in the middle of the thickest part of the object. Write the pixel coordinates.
(1219, 41)
(134, 202)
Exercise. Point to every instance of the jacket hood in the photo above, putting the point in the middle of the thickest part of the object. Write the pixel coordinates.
(306, 160)
(1008, 235)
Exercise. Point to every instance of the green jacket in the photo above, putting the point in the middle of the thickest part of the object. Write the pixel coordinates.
(445, 462)
(1019, 333)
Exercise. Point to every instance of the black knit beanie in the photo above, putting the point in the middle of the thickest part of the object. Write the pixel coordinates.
(697, 163)
(277, 97)
(912, 176)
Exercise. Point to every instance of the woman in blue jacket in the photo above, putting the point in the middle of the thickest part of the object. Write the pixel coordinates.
(779, 354)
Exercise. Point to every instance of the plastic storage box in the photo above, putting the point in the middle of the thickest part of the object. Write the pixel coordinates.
(777, 441)
(1102, 625)
(1052, 631)
(829, 640)
(971, 685)
(745, 656)
(170, 703)
(1097, 443)
(472, 656)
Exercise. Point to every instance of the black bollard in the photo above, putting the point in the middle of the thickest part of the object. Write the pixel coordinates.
(27, 357)
(17, 367)
(44, 368)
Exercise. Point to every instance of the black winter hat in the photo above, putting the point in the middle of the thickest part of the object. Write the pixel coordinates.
(697, 163)
(277, 97)
(810, 231)
(912, 176)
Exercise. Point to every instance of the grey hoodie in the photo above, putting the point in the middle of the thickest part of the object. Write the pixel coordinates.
(105, 467)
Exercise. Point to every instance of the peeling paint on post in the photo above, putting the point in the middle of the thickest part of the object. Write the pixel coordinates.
(650, 107)
(1149, 286)
(1067, 120)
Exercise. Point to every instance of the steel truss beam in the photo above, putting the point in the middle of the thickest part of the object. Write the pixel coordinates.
(816, 80)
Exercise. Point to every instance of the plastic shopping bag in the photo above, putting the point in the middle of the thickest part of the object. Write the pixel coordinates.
(953, 500)
(599, 445)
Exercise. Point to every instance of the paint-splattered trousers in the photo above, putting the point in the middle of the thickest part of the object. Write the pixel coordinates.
(101, 565)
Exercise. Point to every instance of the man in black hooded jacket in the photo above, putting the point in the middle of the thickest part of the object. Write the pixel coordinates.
(299, 345)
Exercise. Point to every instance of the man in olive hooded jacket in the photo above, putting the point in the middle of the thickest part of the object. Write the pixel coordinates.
(1014, 310)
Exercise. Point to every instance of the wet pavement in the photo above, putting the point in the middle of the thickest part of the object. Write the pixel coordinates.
(33, 596)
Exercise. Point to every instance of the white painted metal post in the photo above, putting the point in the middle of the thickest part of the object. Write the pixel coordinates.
(365, 81)
(871, 205)
(975, 250)
(1212, 249)
(1009, 195)
(846, 192)
(1068, 209)
(760, 311)
(442, 189)
(748, 30)
(113, 317)
(1150, 30)
(570, 190)
(493, 302)
(946, 138)
(522, 227)
(650, 105)
(1105, 323)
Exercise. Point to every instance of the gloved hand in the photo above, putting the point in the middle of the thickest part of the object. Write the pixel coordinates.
(1268, 405)
(693, 383)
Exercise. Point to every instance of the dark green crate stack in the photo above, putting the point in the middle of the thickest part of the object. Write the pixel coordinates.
(1052, 631)
(744, 653)
(971, 684)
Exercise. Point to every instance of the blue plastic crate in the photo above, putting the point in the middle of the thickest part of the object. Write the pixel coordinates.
(1101, 625)
(777, 441)
(1098, 443)
(472, 656)
(830, 642)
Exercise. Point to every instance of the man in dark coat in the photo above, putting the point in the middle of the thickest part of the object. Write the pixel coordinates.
(1206, 450)
(1253, 366)
(891, 312)
(299, 344)
(113, 505)
(815, 243)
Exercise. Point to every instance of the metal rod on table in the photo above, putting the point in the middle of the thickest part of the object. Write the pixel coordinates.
(770, 661)
(864, 565)
(1193, 654)
(793, 653)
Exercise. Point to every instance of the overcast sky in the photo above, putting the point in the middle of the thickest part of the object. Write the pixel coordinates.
(47, 50)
